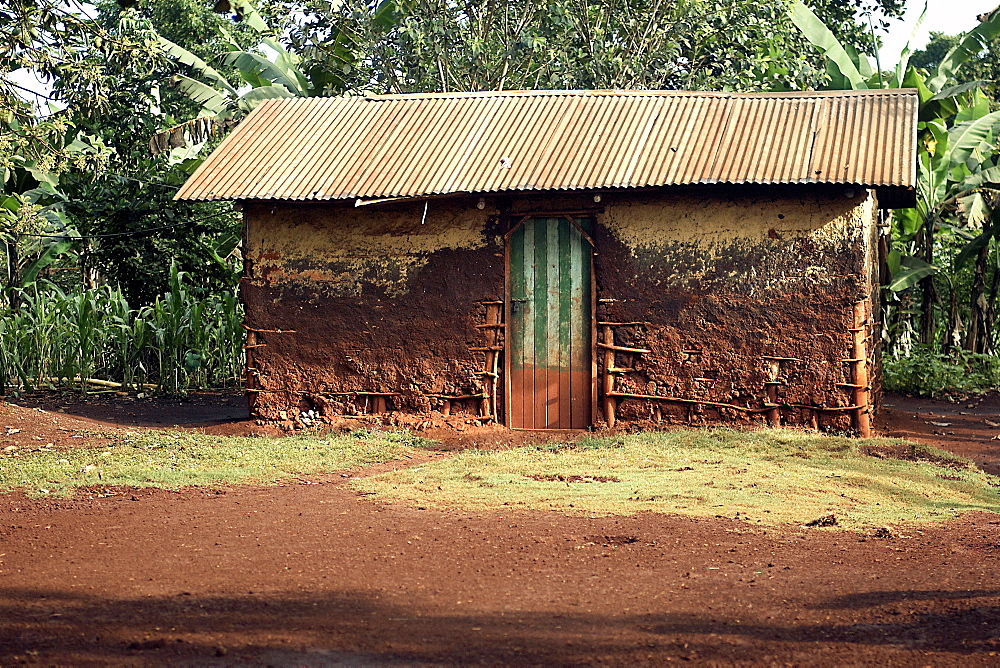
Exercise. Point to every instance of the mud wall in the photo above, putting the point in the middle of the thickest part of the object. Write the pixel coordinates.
(740, 299)
(745, 303)
(369, 309)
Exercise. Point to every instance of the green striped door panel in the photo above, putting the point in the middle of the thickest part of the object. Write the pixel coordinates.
(549, 331)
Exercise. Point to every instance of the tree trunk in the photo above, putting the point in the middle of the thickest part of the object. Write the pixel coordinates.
(952, 336)
(88, 273)
(928, 291)
(975, 338)
(13, 279)
(991, 310)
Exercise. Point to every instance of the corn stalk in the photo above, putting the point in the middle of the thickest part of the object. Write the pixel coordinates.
(179, 343)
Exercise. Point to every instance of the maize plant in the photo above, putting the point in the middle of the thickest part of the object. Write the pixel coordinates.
(180, 342)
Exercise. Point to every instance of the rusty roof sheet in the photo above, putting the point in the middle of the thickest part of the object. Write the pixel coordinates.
(428, 144)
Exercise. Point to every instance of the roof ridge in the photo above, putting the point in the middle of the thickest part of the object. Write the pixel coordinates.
(641, 93)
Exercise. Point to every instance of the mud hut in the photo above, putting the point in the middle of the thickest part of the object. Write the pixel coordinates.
(566, 259)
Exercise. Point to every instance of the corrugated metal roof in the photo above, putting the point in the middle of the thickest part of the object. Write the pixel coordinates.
(427, 144)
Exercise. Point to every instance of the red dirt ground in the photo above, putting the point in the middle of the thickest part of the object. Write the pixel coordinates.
(312, 574)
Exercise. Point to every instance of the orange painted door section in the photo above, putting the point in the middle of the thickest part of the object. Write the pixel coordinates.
(549, 292)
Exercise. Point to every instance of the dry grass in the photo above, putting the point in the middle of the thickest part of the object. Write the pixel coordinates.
(177, 459)
(770, 477)
(767, 477)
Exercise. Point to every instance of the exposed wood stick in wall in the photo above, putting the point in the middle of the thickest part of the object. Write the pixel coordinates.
(656, 397)
(454, 397)
(494, 331)
(622, 324)
(495, 375)
(267, 331)
(771, 387)
(621, 349)
(608, 380)
(742, 409)
(248, 371)
(859, 371)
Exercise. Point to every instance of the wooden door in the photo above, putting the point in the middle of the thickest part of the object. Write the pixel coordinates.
(549, 308)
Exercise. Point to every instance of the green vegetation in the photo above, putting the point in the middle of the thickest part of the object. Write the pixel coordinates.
(770, 477)
(944, 260)
(767, 477)
(174, 459)
(84, 204)
(177, 343)
(926, 372)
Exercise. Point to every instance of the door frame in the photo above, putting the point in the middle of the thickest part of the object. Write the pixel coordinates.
(520, 219)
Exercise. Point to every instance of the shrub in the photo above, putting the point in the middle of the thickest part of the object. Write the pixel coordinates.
(928, 373)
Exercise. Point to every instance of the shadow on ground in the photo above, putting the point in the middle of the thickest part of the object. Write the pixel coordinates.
(350, 629)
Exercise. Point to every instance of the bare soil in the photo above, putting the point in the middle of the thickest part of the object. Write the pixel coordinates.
(312, 574)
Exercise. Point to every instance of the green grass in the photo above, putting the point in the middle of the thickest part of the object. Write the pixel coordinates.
(772, 477)
(176, 459)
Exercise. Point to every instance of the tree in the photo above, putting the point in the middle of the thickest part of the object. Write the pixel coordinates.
(858, 22)
(77, 55)
(335, 46)
(230, 83)
(442, 45)
(36, 152)
(89, 191)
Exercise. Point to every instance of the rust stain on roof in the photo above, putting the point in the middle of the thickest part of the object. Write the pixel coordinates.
(432, 144)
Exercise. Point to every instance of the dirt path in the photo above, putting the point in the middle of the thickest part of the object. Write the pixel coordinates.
(969, 428)
(311, 574)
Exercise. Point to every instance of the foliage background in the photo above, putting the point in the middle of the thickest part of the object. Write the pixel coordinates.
(86, 204)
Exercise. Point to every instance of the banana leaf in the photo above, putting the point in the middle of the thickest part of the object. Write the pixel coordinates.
(968, 139)
(989, 177)
(912, 271)
(49, 255)
(259, 71)
(972, 248)
(823, 39)
(904, 56)
(209, 98)
(249, 100)
(974, 43)
(204, 70)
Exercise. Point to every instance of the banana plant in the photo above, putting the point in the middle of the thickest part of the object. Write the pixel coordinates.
(957, 152)
(850, 69)
(280, 73)
(223, 103)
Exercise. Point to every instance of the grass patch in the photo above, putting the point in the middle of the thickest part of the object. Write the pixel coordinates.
(176, 459)
(769, 477)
